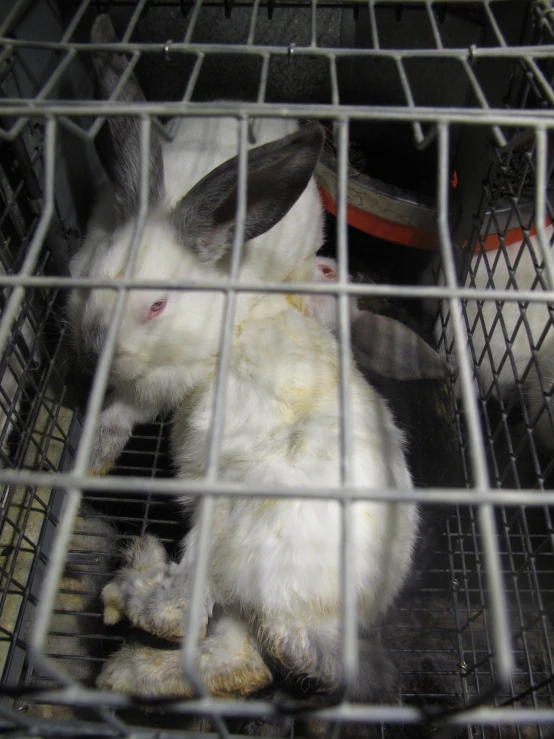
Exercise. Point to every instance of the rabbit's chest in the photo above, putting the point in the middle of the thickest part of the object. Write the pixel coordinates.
(280, 422)
(284, 438)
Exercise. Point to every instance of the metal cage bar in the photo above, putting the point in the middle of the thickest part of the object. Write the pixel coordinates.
(498, 566)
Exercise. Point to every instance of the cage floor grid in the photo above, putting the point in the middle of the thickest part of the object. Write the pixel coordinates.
(438, 635)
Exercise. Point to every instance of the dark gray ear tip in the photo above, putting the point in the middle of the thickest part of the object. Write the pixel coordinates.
(102, 31)
(313, 136)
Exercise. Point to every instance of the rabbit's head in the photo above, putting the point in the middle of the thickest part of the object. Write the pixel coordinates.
(188, 242)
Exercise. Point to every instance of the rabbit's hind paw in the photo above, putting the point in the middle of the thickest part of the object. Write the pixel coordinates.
(157, 673)
(144, 671)
(244, 674)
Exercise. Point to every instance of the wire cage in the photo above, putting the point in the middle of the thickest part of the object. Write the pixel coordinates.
(436, 177)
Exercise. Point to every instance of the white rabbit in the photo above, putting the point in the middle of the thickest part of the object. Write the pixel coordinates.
(273, 586)
(497, 331)
(199, 145)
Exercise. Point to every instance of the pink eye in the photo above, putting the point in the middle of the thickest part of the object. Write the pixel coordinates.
(156, 308)
(327, 272)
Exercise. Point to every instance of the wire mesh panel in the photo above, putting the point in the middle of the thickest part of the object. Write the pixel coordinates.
(433, 280)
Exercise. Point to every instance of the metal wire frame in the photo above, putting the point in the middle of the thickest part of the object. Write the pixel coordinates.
(511, 179)
(398, 638)
(539, 667)
(24, 398)
(21, 364)
(147, 455)
(531, 677)
(77, 480)
(508, 405)
(528, 56)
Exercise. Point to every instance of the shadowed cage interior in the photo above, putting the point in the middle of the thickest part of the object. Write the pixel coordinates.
(445, 109)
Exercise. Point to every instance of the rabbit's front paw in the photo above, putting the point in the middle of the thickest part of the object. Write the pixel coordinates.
(144, 671)
(145, 591)
(109, 442)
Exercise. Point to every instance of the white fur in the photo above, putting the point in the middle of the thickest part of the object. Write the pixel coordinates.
(277, 561)
(282, 428)
(199, 145)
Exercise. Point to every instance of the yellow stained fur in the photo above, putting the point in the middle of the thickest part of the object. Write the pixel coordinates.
(103, 471)
(297, 301)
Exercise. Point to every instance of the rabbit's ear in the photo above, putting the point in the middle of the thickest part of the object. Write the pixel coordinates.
(278, 174)
(124, 168)
(391, 349)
